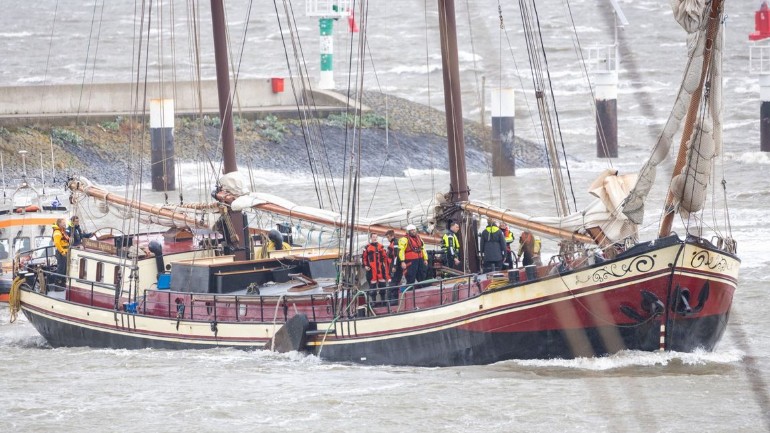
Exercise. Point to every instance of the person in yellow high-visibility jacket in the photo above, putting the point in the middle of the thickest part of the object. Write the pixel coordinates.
(412, 254)
(451, 246)
(61, 241)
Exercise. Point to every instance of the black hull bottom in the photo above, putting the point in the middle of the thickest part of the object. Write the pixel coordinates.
(688, 335)
(61, 334)
(444, 348)
(453, 347)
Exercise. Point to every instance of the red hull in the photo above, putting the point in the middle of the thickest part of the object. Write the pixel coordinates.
(639, 302)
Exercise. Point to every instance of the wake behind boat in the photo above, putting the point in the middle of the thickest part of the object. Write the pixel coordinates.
(667, 293)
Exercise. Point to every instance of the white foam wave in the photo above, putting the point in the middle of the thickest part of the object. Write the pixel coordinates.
(463, 56)
(15, 34)
(31, 79)
(416, 69)
(422, 172)
(630, 358)
(749, 157)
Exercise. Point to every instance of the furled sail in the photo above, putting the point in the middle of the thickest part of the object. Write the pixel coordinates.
(705, 141)
(178, 216)
(242, 199)
(603, 213)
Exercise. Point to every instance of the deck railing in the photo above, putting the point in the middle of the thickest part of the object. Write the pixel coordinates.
(344, 303)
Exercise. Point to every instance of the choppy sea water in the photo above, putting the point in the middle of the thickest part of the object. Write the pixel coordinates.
(87, 390)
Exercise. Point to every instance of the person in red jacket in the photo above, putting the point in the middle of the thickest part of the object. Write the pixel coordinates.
(394, 265)
(375, 260)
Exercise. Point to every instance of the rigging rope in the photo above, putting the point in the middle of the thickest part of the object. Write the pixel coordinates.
(299, 59)
(541, 79)
(50, 47)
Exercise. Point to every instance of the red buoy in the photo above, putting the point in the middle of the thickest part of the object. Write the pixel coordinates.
(761, 23)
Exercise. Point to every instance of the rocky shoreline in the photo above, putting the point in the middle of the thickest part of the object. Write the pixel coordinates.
(415, 138)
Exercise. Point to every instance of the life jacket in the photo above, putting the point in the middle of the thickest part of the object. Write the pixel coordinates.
(74, 232)
(411, 248)
(376, 258)
(451, 243)
(60, 240)
(491, 230)
(264, 252)
(508, 237)
(392, 251)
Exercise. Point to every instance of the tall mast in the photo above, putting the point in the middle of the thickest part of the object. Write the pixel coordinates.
(223, 85)
(692, 115)
(455, 138)
(452, 101)
(234, 224)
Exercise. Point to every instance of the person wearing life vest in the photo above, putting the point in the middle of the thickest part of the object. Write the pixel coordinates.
(274, 242)
(75, 231)
(451, 246)
(394, 265)
(375, 260)
(412, 254)
(508, 262)
(536, 251)
(527, 248)
(492, 247)
(61, 241)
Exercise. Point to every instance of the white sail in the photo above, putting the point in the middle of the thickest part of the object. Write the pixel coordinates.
(609, 188)
(692, 16)
(420, 215)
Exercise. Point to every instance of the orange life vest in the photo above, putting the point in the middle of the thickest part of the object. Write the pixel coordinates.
(414, 248)
(376, 259)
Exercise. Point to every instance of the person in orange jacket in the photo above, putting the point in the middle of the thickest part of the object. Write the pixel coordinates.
(375, 260)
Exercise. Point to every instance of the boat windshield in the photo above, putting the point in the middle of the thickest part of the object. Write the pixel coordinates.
(4, 248)
(40, 242)
(21, 243)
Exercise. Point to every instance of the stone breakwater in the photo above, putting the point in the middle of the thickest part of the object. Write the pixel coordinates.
(415, 138)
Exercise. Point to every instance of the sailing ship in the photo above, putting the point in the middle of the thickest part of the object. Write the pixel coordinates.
(668, 293)
(26, 216)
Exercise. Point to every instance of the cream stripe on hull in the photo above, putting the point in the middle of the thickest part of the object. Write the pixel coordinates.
(246, 334)
(702, 264)
(694, 262)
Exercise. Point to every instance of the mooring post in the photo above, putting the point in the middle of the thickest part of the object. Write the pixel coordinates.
(503, 138)
(606, 114)
(162, 144)
(764, 112)
(759, 63)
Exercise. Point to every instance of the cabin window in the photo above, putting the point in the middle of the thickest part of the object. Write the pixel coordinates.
(21, 244)
(116, 276)
(5, 248)
(99, 272)
(42, 242)
(83, 271)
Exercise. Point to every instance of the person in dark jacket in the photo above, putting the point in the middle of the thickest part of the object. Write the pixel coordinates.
(492, 247)
(75, 231)
(451, 247)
